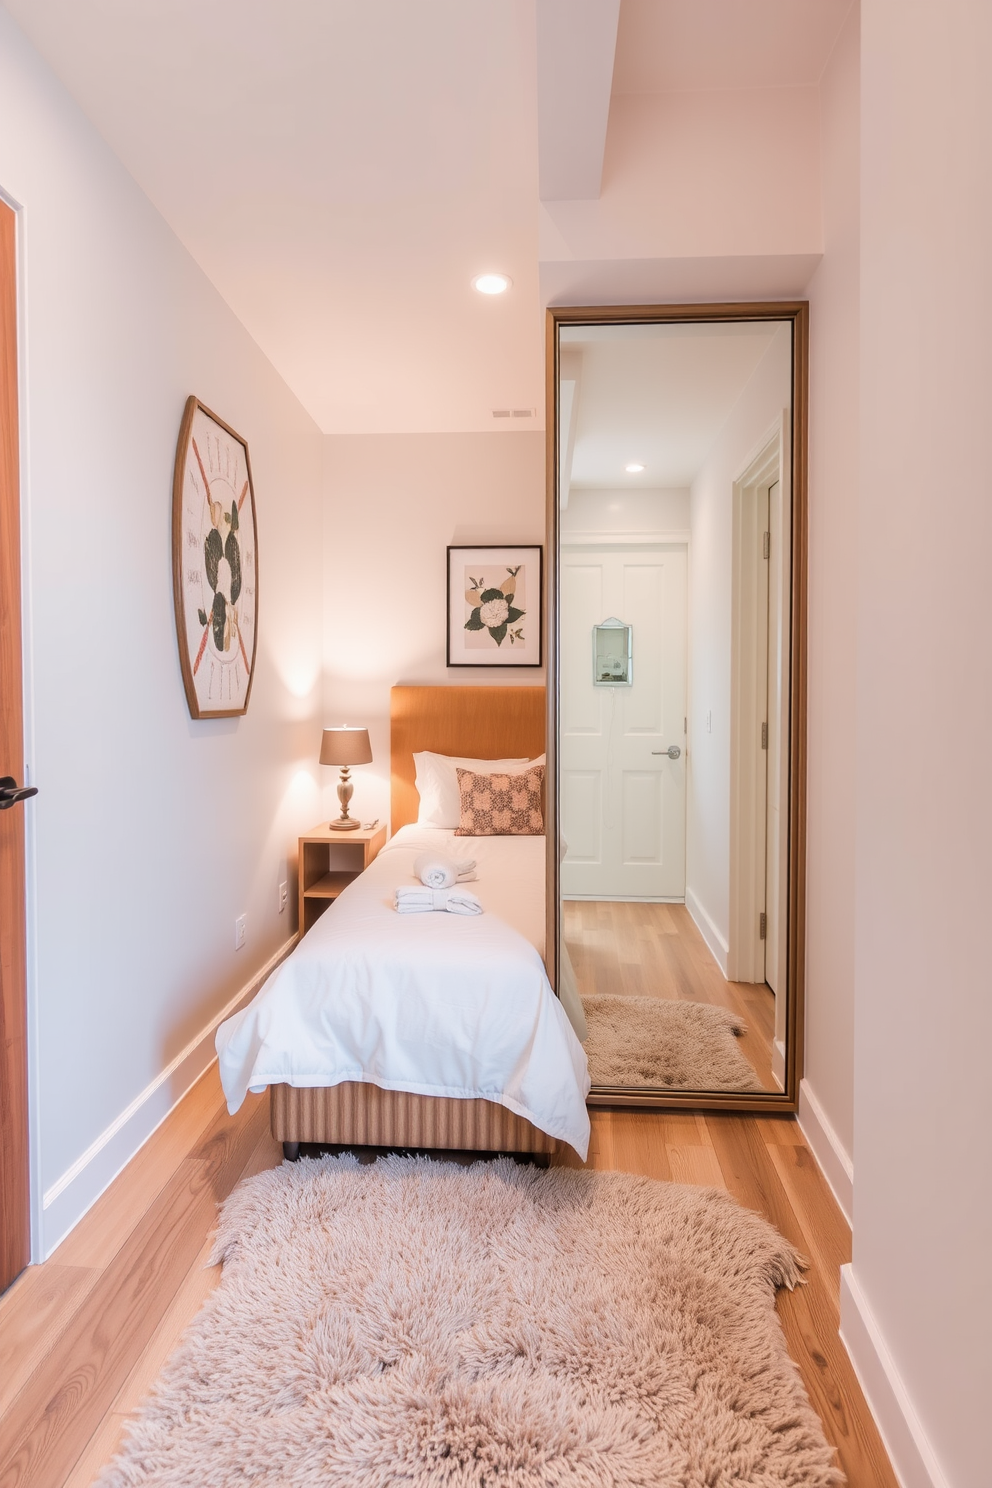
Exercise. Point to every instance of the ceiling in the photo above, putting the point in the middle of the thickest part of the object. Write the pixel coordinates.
(656, 394)
(341, 169)
(664, 45)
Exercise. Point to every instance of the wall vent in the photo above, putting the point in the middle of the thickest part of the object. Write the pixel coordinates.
(517, 413)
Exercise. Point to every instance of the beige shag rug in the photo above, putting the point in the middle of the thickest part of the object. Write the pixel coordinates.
(424, 1324)
(665, 1044)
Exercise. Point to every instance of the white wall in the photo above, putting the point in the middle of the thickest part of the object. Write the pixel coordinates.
(832, 637)
(923, 1010)
(639, 515)
(710, 570)
(392, 504)
(151, 832)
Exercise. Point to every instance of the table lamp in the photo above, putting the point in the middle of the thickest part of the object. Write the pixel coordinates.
(344, 747)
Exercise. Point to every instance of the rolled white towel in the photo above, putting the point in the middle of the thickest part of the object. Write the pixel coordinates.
(439, 872)
(424, 900)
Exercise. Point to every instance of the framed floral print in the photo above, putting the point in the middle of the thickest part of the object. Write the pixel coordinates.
(494, 606)
(214, 564)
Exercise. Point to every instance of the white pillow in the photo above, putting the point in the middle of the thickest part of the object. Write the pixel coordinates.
(437, 783)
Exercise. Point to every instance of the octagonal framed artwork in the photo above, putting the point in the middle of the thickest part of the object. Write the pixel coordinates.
(214, 564)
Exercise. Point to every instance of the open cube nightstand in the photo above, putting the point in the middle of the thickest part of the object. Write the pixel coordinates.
(320, 884)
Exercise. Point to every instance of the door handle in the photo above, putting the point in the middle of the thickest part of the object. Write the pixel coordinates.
(11, 792)
(673, 751)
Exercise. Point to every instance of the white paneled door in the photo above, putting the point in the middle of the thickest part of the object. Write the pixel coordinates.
(622, 794)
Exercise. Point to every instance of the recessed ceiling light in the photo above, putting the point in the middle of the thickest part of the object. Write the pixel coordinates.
(633, 468)
(492, 284)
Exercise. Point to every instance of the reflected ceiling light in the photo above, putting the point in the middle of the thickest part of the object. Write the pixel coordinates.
(491, 284)
(633, 468)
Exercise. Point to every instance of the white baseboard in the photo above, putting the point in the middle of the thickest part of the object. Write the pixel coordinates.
(778, 1063)
(718, 946)
(68, 1199)
(623, 898)
(910, 1452)
(832, 1156)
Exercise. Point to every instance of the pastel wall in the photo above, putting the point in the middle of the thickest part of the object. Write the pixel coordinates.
(392, 504)
(151, 832)
(753, 417)
(686, 174)
(708, 194)
(828, 1089)
(921, 1277)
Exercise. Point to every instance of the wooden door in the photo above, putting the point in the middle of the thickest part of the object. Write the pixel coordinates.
(14, 1202)
(622, 796)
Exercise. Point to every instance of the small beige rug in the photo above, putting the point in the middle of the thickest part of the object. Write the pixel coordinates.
(494, 1326)
(665, 1044)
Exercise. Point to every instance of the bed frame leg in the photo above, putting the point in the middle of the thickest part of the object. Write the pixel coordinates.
(290, 1151)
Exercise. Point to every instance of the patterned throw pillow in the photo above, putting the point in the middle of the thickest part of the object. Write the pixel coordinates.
(501, 805)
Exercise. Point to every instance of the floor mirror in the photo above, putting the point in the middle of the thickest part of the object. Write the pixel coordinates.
(676, 607)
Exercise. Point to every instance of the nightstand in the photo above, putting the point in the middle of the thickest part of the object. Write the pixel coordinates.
(328, 863)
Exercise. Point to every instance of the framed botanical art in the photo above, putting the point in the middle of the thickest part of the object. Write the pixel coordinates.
(494, 606)
(214, 564)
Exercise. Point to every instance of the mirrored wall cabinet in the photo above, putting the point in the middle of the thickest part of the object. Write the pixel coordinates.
(676, 810)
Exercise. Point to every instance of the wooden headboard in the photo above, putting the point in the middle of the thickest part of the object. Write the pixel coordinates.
(475, 722)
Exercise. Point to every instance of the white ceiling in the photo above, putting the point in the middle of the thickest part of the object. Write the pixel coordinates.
(658, 395)
(576, 45)
(341, 169)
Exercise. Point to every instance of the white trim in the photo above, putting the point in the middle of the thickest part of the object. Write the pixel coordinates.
(677, 537)
(763, 457)
(708, 930)
(833, 1158)
(68, 1199)
(778, 1063)
(625, 898)
(913, 1458)
(27, 707)
(749, 708)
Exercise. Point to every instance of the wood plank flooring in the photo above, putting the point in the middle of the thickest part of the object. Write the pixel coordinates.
(633, 949)
(83, 1337)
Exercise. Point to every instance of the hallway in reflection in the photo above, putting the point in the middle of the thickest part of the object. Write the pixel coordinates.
(637, 949)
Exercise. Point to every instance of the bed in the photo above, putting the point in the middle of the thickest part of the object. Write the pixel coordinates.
(425, 1031)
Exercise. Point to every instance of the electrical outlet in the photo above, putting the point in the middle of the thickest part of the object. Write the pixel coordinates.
(283, 895)
(240, 931)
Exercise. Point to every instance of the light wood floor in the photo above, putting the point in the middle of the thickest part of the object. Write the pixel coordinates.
(83, 1336)
(633, 949)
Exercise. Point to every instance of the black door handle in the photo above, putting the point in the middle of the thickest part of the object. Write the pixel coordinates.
(11, 792)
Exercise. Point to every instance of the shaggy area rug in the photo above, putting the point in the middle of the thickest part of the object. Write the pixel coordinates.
(494, 1326)
(665, 1044)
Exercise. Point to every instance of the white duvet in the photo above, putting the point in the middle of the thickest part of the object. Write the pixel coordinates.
(437, 1004)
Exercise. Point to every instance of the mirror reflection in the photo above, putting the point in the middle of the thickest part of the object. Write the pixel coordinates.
(673, 749)
(612, 648)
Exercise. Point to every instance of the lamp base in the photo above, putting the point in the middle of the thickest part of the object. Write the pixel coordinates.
(344, 824)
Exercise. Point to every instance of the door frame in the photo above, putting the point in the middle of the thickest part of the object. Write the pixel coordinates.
(795, 690)
(748, 760)
(15, 1175)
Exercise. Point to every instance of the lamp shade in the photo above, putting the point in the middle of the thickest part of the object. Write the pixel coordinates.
(345, 746)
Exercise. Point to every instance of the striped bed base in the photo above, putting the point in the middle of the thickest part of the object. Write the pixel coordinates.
(361, 1115)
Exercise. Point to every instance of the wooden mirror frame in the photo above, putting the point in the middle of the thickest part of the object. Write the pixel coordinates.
(798, 313)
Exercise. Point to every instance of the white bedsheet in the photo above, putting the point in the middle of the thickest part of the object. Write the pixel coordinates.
(437, 1004)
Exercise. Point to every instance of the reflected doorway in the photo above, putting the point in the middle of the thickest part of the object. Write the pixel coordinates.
(622, 743)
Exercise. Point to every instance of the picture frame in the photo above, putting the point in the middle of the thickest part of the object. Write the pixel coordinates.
(214, 564)
(495, 605)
